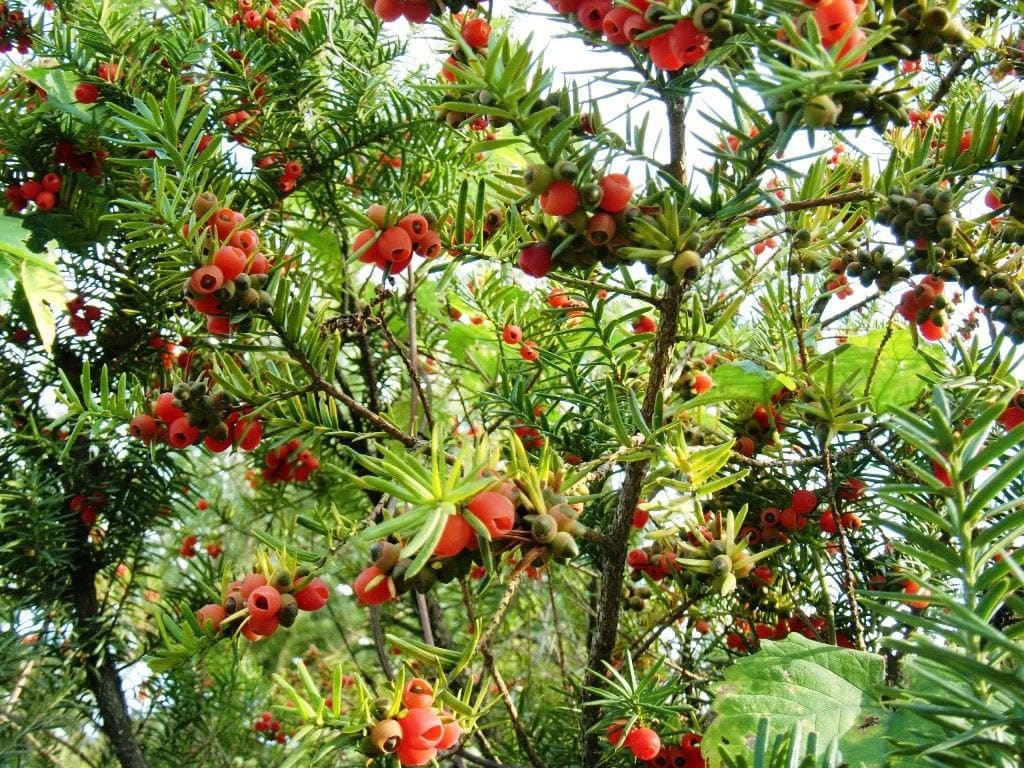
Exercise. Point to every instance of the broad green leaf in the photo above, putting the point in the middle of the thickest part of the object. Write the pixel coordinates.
(744, 380)
(828, 691)
(44, 290)
(897, 380)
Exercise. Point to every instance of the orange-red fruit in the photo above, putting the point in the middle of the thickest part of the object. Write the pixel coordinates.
(452, 732)
(246, 240)
(456, 537)
(663, 54)
(143, 427)
(421, 729)
(494, 511)
(415, 225)
(529, 352)
(418, 694)
(230, 260)
(476, 32)
(429, 245)
(206, 280)
(165, 409)
(247, 433)
(643, 743)
(394, 245)
(45, 201)
(535, 260)
(835, 19)
(263, 602)
(702, 383)
(803, 501)
(931, 331)
(313, 596)
(380, 593)
(591, 13)
(616, 189)
(613, 25)
(212, 613)
(512, 334)
(687, 42)
(408, 756)
(181, 434)
(250, 583)
(561, 199)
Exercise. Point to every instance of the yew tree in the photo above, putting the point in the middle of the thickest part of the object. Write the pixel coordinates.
(592, 383)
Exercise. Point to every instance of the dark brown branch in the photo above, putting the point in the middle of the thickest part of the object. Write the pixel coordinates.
(855, 196)
(354, 406)
(100, 672)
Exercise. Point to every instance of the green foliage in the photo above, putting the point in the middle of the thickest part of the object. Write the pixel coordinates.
(831, 692)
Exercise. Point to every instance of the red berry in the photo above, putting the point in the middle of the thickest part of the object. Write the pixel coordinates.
(247, 433)
(165, 409)
(476, 32)
(512, 334)
(417, 694)
(535, 260)
(108, 71)
(51, 182)
(529, 352)
(421, 729)
(561, 199)
(230, 261)
(803, 501)
(30, 190)
(643, 743)
(494, 511)
(143, 427)
(87, 93)
(263, 603)
(313, 596)
(380, 592)
(640, 518)
(687, 42)
(702, 383)
(181, 434)
(616, 189)
(210, 616)
(456, 536)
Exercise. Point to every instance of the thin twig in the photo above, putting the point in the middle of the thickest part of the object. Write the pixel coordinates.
(410, 441)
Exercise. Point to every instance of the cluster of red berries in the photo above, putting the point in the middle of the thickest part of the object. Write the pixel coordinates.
(82, 316)
(88, 506)
(15, 29)
(190, 543)
(233, 281)
(414, 11)
(511, 522)
(925, 306)
(513, 336)
(839, 285)
(89, 93)
(759, 429)
(644, 743)
(653, 561)
(270, 728)
(418, 731)
(682, 42)
(812, 628)
(270, 18)
(475, 31)
(286, 463)
(391, 244)
(89, 162)
(685, 755)
(596, 211)
(259, 607)
(239, 125)
(191, 413)
(43, 192)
